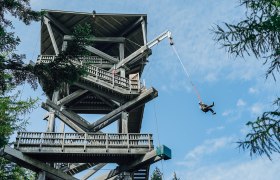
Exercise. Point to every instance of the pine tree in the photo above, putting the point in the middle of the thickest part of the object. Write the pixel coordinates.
(157, 175)
(175, 177)
(258, 34)
(12, 73)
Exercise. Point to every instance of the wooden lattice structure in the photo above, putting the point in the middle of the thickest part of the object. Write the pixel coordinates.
(119, 45)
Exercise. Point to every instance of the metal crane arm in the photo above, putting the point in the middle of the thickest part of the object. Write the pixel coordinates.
(142, 49)
(162, 36)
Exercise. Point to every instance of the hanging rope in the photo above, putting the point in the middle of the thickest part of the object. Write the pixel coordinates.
(155, 114)
(187, 73)
(133, 42)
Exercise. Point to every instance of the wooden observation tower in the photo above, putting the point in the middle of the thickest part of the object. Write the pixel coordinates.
(111, 88)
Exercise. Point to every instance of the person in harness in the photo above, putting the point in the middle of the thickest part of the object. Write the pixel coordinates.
(205, 108)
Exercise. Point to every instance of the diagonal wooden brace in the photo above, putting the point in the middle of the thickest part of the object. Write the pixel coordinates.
(112, 116)
(33, 164)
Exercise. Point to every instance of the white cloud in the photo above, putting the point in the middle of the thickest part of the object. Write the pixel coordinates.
(240, 102)
(207, 147)
(227, 113)
(195, 45)
(244, 130)
(258, 169)
(211, 130)
(253, 90)
(211, 77)
(256, 109)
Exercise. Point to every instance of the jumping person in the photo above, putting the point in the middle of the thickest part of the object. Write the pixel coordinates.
(205, 108)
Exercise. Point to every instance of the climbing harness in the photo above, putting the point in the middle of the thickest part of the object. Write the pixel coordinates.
(184, 68)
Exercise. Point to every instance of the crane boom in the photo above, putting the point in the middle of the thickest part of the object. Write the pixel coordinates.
(166, 34)
(142, 49)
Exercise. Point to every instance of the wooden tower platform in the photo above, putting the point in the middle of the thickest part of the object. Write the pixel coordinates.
(120, 45)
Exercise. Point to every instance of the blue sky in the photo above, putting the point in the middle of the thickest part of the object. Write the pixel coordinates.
(203, 146)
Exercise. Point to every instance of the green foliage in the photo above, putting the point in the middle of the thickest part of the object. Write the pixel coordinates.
(175, 177)
(63, 69)
(19, 9)
(53, 75)
(258, 34)
(11, 64)
(264, 137)
(10, 171)
(13, 72)
(12, 113)
(157, 175)
(12, 69)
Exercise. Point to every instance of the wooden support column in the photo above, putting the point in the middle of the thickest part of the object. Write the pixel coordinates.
(51, 122)
(144, 31)
(64, 46)
(62, 126)
(42, 175)
(121, 53)
(123, 123)
(51, 118)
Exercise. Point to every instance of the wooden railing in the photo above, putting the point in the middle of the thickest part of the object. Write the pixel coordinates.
(100, 74)
(85, 59)
(84, 140)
